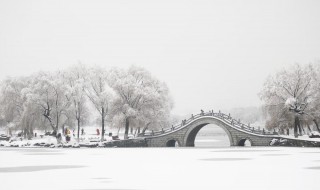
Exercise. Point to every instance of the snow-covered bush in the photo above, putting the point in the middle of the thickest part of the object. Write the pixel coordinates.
(274, 142)
(314, 134)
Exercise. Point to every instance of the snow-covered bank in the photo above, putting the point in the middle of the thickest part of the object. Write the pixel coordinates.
(160, 168)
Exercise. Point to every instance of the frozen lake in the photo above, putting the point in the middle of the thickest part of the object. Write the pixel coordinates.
(160, 168)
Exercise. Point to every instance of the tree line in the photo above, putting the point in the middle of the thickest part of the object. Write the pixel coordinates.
(122, 98)
(292, 99)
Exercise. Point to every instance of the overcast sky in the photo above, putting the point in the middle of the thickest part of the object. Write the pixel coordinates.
(212, 54)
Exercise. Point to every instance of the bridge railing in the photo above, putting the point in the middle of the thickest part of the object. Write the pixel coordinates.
(227, 118)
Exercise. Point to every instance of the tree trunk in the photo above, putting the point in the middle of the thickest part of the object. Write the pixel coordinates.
(309, 129)
(102, 130)
(118, 130)
(126, 129)
(30, 135)
(145, 128)
(10, 132)
(304, 132)
(24, 133)
(50, 121)
(296, 123)
(138, 130)
(316, 123)
(63, 131)
(57, 125)
(78, 134)
(135, 132)
(299, 128)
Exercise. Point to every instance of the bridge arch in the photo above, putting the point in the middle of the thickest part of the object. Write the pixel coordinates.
(242, 141)
(197, 125)
(172, 143)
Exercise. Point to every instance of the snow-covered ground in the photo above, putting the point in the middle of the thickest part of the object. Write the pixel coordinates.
(160, 168)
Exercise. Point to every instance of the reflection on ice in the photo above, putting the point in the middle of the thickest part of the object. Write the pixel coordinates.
(43, 153)
(242, 150)
(36, 168)
(225, 159)
(314, 168)
(275, 154)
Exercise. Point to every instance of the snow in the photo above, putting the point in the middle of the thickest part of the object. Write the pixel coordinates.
(160, 168)
(303, 137)
(290, 102)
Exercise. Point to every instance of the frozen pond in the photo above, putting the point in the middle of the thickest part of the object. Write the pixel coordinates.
(160, 168)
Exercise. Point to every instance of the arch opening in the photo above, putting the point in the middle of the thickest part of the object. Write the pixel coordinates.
(245, 142)
(208, 135)
(172, 143)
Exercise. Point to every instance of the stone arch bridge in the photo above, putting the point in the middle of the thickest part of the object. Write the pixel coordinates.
(185, 133)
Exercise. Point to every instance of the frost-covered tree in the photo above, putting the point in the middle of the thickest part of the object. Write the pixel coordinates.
(314, 107)
(99, 93)
(74, 79)
(131, 97)
(288, 95)
(47, 91)
(141, 100)
(12, 101)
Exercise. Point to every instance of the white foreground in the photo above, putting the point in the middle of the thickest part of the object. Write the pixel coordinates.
(160, 168)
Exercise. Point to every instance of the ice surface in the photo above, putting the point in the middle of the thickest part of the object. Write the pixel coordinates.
(249, 168)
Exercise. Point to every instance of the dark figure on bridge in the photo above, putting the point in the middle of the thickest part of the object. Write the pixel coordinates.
(172, 128)
(202, 112)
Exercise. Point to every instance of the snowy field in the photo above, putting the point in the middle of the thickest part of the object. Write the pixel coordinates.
(160, 168)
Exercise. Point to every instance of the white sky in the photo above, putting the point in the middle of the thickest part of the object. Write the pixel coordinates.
(212, 54)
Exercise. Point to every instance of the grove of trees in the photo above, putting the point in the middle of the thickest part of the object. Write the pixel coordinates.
(292, 99)
(121, 98)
